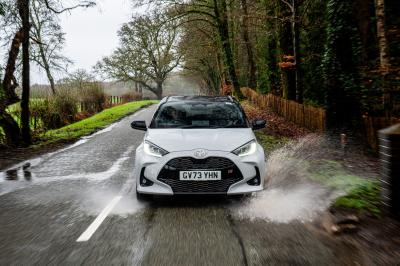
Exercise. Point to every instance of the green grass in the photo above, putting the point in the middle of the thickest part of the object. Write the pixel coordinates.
(269, 142)
(364, 197)
(93, 123)
(16, 107)
(361, 193)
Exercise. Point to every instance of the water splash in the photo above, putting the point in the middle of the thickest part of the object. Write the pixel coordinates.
(289, 193)
(94, 201)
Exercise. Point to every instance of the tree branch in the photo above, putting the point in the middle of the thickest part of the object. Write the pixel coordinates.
(85, 4)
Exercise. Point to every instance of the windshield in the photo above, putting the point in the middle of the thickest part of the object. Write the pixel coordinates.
(199, 114)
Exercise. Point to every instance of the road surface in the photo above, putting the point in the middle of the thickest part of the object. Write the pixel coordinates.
(77, 206)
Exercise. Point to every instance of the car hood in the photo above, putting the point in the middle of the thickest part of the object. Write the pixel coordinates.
(210, 139)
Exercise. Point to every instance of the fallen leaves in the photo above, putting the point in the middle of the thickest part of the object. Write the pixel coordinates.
(276, 125)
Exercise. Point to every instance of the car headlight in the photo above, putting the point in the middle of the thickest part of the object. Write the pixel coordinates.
(154, 150)
(246, 149)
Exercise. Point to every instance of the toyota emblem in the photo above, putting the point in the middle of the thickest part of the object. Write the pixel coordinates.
(200, 153)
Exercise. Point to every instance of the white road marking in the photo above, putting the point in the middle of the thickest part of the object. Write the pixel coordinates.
(85, 236)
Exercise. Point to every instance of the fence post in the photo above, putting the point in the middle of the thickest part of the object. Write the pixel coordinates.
(389, 151)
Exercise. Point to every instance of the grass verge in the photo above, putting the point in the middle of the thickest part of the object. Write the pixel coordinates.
(93, 123)
(361, 193)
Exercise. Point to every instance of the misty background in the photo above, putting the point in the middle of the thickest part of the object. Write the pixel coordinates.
(90, 35)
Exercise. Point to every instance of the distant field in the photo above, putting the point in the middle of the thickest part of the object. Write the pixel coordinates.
(16, 106)
(174, 85)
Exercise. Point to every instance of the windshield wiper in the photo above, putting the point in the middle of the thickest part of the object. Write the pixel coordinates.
(234, 126)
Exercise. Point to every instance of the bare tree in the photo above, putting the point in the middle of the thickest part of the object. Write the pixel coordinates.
(48, 40)
(147, 54)
(20, 18)
(215, 13)
(202, 56)
(79, 78)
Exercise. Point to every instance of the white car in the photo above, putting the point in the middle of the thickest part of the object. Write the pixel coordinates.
(199, 145)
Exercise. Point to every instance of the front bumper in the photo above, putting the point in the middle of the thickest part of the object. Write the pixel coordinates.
(150, 167)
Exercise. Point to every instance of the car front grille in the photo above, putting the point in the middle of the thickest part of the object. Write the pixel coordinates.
(189, 163)
(230, 174)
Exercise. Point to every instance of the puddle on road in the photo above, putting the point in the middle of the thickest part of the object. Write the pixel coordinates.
(94, 201)
(21, 177)
(289, 195)
(15, 178)
(13, 173)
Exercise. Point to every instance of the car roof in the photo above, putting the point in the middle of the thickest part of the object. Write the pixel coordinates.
(199, 98)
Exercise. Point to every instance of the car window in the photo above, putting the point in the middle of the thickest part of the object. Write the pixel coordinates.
(199, 114)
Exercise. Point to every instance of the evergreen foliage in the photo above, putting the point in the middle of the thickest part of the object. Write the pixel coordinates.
(340, 62)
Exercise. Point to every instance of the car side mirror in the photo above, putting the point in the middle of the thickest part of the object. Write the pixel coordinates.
(139, 125)
(258, 124)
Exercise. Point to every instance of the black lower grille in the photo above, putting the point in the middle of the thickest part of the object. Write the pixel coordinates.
(230, 174)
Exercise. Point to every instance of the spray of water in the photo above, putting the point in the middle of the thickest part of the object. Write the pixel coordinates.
(94, 201)
(289, 193)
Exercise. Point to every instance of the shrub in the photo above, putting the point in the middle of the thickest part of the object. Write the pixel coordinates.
(131, 97)
(57, 110)
(92, 97)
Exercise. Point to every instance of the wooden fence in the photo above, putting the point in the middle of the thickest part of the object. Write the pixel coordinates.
(314, 118)
(305, 116)
(373, 125)
(114, 100)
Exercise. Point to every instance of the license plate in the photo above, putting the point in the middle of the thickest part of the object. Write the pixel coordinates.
(199, 175)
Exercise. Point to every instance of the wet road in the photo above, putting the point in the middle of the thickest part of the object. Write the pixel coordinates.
(86, 192)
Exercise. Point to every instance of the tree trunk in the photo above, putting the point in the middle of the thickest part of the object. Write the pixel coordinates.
(46, 67)
(223, 30)
(23, 8)
(363, 13)
(382, 38)
(250, 56)
(285, 47)
(9, 82)
(159, 91)
(383, 52)
(37, 26)
(296, 53)
(8, 96)
(10, 128)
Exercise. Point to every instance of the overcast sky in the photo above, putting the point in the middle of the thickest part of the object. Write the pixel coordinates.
(91, 34)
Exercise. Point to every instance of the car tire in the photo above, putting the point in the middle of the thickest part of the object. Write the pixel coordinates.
(143, 197)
